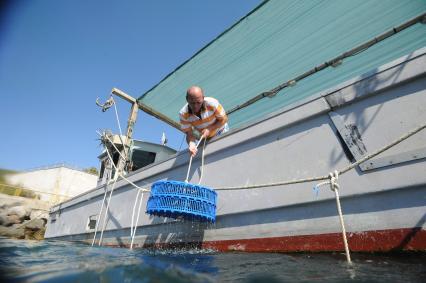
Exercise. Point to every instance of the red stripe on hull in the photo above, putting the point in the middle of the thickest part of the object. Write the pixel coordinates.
(369, 241)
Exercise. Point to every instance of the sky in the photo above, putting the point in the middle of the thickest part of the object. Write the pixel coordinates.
(58, 57)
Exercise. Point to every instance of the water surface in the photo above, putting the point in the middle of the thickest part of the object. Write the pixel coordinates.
(56, 261)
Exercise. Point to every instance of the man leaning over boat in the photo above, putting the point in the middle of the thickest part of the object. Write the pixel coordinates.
(204, 114)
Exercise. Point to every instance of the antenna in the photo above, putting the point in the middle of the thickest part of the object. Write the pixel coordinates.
(163, 139)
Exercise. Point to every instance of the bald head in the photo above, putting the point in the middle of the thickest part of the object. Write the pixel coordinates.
(194, 91)
(195, 98)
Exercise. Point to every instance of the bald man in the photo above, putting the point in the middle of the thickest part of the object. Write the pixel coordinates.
(204, 114)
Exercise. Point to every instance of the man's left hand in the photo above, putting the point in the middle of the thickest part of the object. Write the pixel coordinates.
(205, 133)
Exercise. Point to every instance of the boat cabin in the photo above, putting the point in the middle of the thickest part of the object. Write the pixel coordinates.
(141, 154)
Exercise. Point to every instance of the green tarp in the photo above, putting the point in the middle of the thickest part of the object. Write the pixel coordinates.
(280, 40)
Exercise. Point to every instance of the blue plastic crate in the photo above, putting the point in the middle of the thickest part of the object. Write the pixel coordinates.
(182, 200)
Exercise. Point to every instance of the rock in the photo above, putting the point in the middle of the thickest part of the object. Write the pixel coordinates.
(14, 210)
(13, 219)
(40, 214)
(12, 232)
(35, 224)
(4, 219)
(34, 234)
(21, 211)
(39, 235)
(8, 220)
(4, 205)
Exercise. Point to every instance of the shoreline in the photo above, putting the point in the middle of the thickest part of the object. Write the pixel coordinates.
(23, 218)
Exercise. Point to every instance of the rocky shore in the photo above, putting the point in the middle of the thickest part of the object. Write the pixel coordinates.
(23, 218)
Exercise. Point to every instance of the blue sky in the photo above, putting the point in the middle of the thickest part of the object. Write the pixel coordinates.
(57, 57)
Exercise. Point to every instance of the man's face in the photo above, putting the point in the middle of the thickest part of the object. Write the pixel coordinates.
(195, 101)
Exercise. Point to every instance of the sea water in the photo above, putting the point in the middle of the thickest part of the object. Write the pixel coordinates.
(56, 261)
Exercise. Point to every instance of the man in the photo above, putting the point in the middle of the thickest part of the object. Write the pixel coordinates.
(204, 114)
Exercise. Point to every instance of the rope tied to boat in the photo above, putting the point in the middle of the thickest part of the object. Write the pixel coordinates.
(334, 176)
(107, 210)
(98, 220)
(202, 161)
(334, 187)
(326, 177)
(105, 106)
(134, 224)
(118, 173)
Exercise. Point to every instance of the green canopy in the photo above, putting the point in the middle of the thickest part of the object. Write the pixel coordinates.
(282, 39)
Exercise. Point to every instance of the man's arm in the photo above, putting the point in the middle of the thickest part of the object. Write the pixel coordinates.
(186, 127)
(220, 121)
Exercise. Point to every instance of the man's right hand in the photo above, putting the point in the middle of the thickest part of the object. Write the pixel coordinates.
(192, 149)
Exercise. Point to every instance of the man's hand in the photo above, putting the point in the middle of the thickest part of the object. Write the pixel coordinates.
(192, 148)
(205, 133)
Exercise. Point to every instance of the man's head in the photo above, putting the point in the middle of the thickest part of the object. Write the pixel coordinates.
(195, 98)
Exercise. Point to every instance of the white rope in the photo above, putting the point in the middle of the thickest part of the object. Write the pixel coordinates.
(386, 147)
(321, 178)
(334, 186)
(317, 186)
(116, 170)
(100, 213)
(119, 152)
(115, 167)
(297, 181)
(119, 127)
(134, 185)
(133, 214)
(202, 162)
(107, 209)
(118, 173)
(190, 160)
(134, 225)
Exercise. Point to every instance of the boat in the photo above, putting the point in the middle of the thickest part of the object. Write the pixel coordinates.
(326, 151)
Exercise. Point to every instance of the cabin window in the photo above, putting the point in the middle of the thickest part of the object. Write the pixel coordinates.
(115, 159)
(141, 158)
(52, 217)
(101, 173)
(91, 222)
